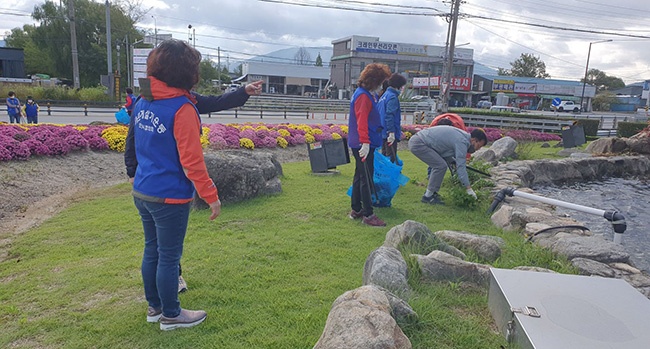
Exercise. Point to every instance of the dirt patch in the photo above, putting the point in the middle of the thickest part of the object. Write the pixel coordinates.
(39, 188)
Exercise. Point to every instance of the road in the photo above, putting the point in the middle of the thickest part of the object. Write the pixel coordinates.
(77, 116)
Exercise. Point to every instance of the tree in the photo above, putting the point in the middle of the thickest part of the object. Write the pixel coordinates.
(319, 61)
(602, 81)
(302, 57)
(47, 45)
(527, 65)
(603, 101)
(208, 72)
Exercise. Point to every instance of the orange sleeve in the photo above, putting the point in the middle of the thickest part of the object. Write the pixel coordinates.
(187, 134)
(362, 107)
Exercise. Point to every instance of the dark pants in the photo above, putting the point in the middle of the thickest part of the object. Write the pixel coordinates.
(14, 118)
(362, 183)
(164, 226)
(390, 151)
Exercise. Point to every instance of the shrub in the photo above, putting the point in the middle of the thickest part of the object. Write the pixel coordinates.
(628, 129)
(590, 126)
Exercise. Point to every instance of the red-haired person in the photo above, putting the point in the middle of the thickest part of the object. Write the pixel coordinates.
(364, 136)
(166, 131)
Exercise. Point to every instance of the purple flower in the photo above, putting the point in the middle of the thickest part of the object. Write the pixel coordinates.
(76, 142)
(5, 155)
(17, 150)
(97, 143)
(57, 146)
(36, 147)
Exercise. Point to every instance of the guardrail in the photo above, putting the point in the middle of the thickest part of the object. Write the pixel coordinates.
(542, 125)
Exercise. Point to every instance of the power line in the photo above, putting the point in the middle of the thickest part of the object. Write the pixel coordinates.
(358, 9)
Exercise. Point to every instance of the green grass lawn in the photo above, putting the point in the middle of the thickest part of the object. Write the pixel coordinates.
(266, 271)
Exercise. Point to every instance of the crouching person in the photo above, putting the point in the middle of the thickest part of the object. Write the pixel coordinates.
(435, 144)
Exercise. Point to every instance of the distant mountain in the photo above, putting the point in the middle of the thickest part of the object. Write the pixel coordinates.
(480, 69)
(288, 55)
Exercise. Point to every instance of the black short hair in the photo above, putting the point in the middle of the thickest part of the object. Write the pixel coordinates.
(396, 81)
(129, 90)
(445, 121)
(11, 93)
(479, 135)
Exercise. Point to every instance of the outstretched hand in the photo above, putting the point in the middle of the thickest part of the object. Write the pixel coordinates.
(254, 88)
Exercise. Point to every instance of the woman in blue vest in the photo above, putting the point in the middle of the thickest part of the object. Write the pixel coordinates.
(166, 140)
(364, 136)
(391, 114)
(13, 108)
(130, 101)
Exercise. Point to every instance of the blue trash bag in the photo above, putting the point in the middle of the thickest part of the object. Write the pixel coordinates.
(387, 179)
(122, 116)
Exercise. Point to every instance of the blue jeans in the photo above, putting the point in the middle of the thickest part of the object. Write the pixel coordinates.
(14, 118)
(164, 226)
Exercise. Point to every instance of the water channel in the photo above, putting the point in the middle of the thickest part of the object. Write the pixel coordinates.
(628, 196)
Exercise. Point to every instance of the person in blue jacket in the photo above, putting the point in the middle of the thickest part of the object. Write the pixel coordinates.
(31, 110)
(204, 105)
(130, 101)
(364, 136)
(13, 107)
(391, 115)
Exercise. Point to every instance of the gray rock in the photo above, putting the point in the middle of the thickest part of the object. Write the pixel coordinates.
(414, 236)
(590, 267)
(607, 145)
(639, 145)
(441, 266)
(485, 247)
(589, 247)
(501, 148)
(386, 267)
(361, 319)
(637, 280)
(241, 175)
(535, 269)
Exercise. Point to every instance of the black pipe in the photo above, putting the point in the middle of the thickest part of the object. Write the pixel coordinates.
(618, 221)
(498, 197)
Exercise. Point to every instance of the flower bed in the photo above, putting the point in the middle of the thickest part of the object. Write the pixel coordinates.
(20, 142)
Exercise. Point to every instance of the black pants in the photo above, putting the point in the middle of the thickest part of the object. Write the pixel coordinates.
(362, 183)
(390, 151)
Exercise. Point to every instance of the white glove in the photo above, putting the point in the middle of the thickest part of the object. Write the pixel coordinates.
(471, 193)
(364, 151)
(391, 138)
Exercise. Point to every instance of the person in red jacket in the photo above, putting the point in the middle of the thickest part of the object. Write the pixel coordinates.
(170, 167)
(364, 136)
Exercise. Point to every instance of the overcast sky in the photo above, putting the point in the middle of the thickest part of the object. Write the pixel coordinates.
(242, 28)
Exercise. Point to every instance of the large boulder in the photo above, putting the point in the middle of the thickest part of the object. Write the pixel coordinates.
(485, 247)
(386, 267)
(607, 145)
(241, 175)
(361, 319)
(501, 148)
(441, 266)
(418, 239)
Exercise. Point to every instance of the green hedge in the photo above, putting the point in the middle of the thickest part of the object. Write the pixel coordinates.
(627, 129)
(58, 93)
(590, 126)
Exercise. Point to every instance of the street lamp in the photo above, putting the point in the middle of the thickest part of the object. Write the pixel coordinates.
(117, 46)
(155, 31)
(584, 82)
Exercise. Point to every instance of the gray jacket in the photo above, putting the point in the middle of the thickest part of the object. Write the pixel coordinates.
(449, 142)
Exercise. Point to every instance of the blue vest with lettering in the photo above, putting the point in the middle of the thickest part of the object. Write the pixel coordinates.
(159, 173)
(374, 122)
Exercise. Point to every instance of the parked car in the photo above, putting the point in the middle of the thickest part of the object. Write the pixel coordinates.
(233, 87)
(568, 106)
(483, 104)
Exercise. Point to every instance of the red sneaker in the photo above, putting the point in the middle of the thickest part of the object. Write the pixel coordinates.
(374, 221)
(355, 215)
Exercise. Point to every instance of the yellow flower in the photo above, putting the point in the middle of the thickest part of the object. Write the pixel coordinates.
(80, 128)
(309, 138)
(407, 135)
(284, 133)
(116, 137)
(282, 143)
(204, 137)
(316, 131)
(246, 143)
(336, 135)
(344, 128)
(261, 127)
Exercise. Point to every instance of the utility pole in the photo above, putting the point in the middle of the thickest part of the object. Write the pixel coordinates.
(219, 64)
(109, 53)
(450, 56)
(73, 44)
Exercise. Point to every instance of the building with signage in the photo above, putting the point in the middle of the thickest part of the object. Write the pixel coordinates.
(422, 65)
(532, 93)
(288, 79)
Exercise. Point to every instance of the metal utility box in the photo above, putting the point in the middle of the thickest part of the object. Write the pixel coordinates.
(558, 311)
(328, 154)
